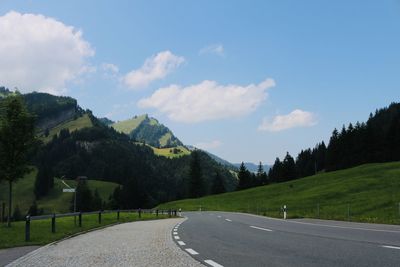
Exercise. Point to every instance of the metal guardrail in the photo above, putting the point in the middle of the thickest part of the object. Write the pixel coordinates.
(53, 217)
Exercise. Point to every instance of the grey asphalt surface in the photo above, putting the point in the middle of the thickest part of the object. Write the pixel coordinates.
(287, 242)
(10, 254)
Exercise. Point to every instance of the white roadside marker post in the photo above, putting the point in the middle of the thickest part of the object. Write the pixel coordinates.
(284, 212)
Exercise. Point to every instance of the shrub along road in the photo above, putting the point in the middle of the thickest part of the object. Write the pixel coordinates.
(236, 239)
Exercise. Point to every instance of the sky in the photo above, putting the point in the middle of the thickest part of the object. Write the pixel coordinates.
(245, 80)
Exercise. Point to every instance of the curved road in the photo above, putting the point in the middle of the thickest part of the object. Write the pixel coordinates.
(235, 239)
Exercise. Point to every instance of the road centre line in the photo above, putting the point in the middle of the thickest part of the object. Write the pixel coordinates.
(228, 220)
(191, 251)
(181, 243)
(260, 228)
(213, 263)
(392, 247)
(176, 237)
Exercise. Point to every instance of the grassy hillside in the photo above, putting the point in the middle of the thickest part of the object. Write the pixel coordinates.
(169, 152)
(56, 200)
(368, 193)
(146, 129)
(77, 124)
(128, 126)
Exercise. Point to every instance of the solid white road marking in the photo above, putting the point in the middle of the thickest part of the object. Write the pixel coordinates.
(260, 228)
(181, 243)
(191, 251)
(176, 237)
(213, 263)
(391, 247)
(325, 225)
(228, 220)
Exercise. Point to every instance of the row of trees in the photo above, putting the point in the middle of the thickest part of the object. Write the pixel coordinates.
(377, 140)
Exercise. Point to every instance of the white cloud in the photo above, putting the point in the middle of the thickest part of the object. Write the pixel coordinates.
(154, 68)
(207, 100)
(109, 67)
(217, 49)
(208, 145)
(296, 118)
(40, 53)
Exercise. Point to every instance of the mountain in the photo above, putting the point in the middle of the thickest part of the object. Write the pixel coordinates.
(215, 157)
(252, 167)
(76, 143)
(148, 130)
(106, 121)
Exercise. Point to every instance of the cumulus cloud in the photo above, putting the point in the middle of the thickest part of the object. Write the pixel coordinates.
(109, 67)
(207, 100)
(208, 145)
(296, 118)
(217, 49)
(40, 53)
(154, 68)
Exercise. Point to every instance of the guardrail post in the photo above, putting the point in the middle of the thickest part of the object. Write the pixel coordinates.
(318, 210)
(348, 212)
(3, 211)
(140, 213)
(100, 217)
(53, 223)
(80, 219)
(28, 228)
(118, 215)
(175, 213)
(157, 213)
(169, 213)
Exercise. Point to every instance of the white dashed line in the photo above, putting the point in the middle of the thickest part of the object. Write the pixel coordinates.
(213, 263)
(219, 216)
(181, 243)
(260, 228)
(176, 237)
(393, 247)
(228, 220)
(191, 251)
(175, 233)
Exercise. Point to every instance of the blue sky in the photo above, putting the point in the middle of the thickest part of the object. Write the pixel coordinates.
(246, 80)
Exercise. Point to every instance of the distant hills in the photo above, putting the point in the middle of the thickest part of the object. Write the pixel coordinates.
(140, 155)
(148, 130)
(252, 167)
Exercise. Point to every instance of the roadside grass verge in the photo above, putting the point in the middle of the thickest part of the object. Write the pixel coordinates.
(41, 229)
(367, 193)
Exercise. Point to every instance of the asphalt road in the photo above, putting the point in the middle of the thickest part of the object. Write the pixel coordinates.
(235, 239)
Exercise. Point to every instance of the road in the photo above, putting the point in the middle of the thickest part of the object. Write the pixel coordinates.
(235, 239)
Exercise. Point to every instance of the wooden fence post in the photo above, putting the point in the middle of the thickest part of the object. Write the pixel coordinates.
(53, 223)
(28, 228)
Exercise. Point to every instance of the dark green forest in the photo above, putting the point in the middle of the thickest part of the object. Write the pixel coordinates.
(374, 141)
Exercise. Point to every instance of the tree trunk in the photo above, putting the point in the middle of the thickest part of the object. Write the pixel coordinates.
(9, 206)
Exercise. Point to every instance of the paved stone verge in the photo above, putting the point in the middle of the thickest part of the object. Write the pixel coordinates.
(145, 243)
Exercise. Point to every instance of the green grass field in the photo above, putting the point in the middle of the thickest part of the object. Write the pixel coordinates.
(73, 125)
(368, 193)
(167, 152)
(56, 201)
(41, 229)
(128, 126)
